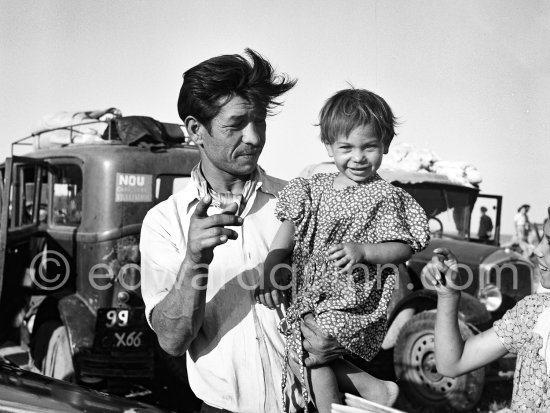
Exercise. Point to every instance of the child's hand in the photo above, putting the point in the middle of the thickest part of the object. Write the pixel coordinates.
(442, 272)
(269, 296)
(346, 255)
(268, 292)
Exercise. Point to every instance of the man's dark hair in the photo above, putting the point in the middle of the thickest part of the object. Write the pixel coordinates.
(351, 108)
(211, 84)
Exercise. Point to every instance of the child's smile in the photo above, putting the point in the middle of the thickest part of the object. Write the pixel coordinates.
(358, 155)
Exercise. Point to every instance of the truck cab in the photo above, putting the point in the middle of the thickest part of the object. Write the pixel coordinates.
(70, 221)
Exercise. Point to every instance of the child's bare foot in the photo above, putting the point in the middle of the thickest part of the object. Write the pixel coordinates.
(386, 393)
(393, 392)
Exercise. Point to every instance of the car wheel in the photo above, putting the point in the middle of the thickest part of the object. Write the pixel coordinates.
(414, 363)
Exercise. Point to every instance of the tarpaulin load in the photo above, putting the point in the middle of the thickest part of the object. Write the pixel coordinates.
(98, 126)
(80, 127)
(145, 132)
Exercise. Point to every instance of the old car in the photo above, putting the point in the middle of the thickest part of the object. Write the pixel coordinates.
(26, 391)
(495, 279)
(70, 220)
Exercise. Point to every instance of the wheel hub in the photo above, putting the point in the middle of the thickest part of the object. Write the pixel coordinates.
(434, 385)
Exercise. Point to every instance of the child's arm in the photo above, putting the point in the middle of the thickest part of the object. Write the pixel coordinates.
(454, 356)
(268, 291)
(348, 254)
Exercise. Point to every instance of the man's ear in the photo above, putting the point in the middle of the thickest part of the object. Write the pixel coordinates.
(329, 150)
(194, 128)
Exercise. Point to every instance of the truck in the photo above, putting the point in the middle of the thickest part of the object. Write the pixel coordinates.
(70, 221)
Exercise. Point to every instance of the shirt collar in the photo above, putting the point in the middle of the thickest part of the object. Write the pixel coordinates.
(190, 194)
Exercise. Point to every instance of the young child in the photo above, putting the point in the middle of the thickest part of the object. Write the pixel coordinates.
(524, 330)
(338, 227)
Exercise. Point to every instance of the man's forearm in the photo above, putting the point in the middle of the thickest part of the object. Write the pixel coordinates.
(178, 318)
(449, 345)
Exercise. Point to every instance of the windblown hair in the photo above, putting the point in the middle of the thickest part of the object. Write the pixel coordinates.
(211, 84)
(351, 108)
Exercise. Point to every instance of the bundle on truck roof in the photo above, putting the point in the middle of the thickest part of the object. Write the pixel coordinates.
(100, 127)
(406, 164)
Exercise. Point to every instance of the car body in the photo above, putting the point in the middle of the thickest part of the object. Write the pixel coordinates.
(25, 391)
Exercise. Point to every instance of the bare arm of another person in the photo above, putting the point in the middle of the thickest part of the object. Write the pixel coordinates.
(178, 318)
(453, 355)
(268, 292)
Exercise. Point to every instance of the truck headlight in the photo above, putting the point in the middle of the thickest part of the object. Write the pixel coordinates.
(491, 297)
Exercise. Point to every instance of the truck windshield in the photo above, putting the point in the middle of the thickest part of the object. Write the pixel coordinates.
(67, 195)
(448, 208)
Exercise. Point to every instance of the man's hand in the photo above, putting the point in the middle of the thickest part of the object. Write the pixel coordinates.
(441, 273)
(207, 232)
(322, 347)
(346, 255)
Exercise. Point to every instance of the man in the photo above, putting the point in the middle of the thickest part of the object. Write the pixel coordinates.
(485, 226)
(204, 248)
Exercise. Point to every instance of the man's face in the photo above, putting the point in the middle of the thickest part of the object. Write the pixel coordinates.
(236, 138)
(542, 252)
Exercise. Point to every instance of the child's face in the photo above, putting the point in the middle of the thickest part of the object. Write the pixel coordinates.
(359, 155)
(542, 252)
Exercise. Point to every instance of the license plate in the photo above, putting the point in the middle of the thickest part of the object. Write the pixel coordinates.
(122, 329)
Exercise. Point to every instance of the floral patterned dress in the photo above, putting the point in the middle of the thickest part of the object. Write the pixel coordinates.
(351, 307)
(525, 331)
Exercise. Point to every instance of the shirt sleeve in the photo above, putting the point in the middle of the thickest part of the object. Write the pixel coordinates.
(160, 260)
(509, 329)
(294, 202)
(401, 218)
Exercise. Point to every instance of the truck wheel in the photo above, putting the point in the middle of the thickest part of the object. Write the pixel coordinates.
(414, 364)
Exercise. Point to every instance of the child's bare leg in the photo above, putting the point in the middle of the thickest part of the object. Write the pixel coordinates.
(354, 380)
(322, 385)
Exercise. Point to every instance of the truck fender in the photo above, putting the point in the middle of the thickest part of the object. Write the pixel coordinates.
(79, 319)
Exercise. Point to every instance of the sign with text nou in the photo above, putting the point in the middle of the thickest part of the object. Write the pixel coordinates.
(134, 187)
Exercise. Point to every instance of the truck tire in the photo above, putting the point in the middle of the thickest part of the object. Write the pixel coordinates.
(414, 364)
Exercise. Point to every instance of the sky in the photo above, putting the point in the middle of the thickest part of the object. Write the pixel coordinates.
(469, 80)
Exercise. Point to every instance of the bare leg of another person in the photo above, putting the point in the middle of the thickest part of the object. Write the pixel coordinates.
(322, 386)
(352, 379)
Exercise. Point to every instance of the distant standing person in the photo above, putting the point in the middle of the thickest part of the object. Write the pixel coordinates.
(485, 226)
(522, 224)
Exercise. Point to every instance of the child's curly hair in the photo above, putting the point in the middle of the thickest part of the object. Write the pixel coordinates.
(350, 108)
